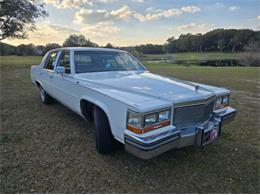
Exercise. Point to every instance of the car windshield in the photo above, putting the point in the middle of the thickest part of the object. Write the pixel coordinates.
(100, 61)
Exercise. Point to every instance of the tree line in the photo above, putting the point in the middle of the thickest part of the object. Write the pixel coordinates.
(31, 49)
(15, 23)
(222, 40)
(229, 40)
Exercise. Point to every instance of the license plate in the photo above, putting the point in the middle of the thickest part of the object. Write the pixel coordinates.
(209, 136)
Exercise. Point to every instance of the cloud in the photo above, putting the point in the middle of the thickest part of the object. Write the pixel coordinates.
(46, 33)
(194, 28)
(89, 16)
(103, 29)
(233, 8)
(52, 33)
(155, 14)
(218, 4)
(106, 1)
(56, 28)
(62, 4)
(138, 1)
(258, 17)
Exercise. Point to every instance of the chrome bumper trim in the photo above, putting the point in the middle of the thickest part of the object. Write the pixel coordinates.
(225, 115)
(176, 139)
(153, 145)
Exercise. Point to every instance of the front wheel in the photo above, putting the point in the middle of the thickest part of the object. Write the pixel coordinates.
(105, 142)
(44, 96)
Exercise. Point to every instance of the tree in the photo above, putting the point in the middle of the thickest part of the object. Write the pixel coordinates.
(150, 49)
(18, 16)
(109, 45)
(228, 40)
(6, 49)
(221, 43)
(78, 41)
(139, 55)
(50, 46)
(171, 46)
(26, 50)
(40, 49)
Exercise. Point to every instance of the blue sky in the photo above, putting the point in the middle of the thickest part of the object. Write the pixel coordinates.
(133, 22)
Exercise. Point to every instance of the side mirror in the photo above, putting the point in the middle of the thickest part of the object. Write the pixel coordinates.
(60, 70)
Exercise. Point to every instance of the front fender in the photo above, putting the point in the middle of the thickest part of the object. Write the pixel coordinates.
(97, 103)
(115, 111)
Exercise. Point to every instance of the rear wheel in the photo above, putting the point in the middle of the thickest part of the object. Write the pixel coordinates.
(105, 142)
(44, 96)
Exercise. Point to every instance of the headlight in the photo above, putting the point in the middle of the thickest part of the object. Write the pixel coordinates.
(219, 101)
(141, 123)
(222, 102)
(150, 119)
(225, 100)
(164, 115)
(135, 119)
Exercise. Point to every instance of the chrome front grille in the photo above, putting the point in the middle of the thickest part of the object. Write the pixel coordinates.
(192, 115)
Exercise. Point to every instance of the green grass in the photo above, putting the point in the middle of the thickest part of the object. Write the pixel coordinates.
(50, 149)
(238, 78)
(18, 61)
(195, 56)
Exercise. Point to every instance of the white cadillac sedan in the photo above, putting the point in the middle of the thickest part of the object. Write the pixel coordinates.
(148, 113)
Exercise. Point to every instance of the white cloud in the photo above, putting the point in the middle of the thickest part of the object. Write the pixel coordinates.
(62, 4)
(194, 28)
(138, 1)
(102, 29)
(89, 16)
(154, 14)
(218, 4)
(258, 17)
(52, 33)
(106, 1)
(233, 8)
(44, 31)
(47, 33)
(190, 9)
(122, 13)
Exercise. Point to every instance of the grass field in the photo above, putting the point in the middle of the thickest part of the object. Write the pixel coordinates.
(21, 61)
(51, 149)
(7, 62)
(195, 56)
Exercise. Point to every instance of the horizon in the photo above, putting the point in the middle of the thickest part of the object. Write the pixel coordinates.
(127, 23)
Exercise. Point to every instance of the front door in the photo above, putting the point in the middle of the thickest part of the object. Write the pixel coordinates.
(48, 71)
(63, 84)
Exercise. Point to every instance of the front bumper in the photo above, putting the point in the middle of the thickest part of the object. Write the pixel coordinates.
(153, 145)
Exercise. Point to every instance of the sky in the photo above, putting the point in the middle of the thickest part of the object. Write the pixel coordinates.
(134, 22)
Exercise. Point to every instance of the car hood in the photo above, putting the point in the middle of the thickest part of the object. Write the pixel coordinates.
(147, 84)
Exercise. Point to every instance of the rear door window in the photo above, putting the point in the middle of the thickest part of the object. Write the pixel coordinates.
(50, 62)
